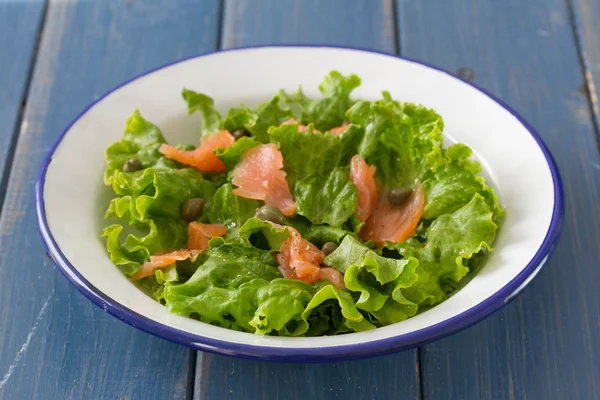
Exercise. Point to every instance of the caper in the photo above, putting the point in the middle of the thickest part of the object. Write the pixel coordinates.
(192, 208)
(269, 213)
(398, 196)
(132, 165)
(240, 133)
(329, 248)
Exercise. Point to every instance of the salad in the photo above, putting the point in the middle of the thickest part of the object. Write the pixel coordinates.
(301, 217)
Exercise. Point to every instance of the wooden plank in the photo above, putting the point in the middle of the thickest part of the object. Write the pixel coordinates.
(585, 20)
(53, 342)
(387, 377)
(544, 345)
(394, 376)
(20, 20)
(370, 24)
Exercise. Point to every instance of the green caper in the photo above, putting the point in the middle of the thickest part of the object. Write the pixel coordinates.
(132, 165)
(329, 248)
(192, 208)
(269, 213)
(398, 196)
(240, 133)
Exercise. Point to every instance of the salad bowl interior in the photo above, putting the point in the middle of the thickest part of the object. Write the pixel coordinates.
(71, 198)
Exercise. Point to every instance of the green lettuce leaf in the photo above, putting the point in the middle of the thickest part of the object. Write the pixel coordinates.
(403, 142)
(329, 111)
(452, 239)
(317, 171)
(230, 210)
(232, 155)
(236, 283)
(259, 120)
(156, 283)
(239, 287)
(148, 238)
(141, 140)
(321, 234)
(352, 252)
(379, 280)
(150, 200)
(353, 318)
(159, 191)
(454, 184)
(198, 102)
(331, 201)
(237, 117)
(326, 319)
(272, 235)
(356, 280)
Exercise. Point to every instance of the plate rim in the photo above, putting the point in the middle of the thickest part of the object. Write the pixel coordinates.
(315, 354)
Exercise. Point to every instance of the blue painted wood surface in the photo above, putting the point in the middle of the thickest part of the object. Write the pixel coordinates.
(368, 23)
(54, 344)
(545, 344)
(585, 15)
(17, 20)
(395, 376)
(388, 377)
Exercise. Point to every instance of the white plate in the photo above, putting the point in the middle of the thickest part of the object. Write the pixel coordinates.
(71, 198)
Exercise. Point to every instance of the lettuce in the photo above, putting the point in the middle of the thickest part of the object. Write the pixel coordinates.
(148, 238)
(258, 121)
(236, 283)
(379, 280)
(452, 239)
(141, 140)
(329, 111)
(159, 191)
(404, 143)
(198, 102)
(230, 210)
(232, 155)
(239, 287)
(148, 201)
(317, 171)
(321, 234)
(455, 183)
(353, 319)
(271, 235)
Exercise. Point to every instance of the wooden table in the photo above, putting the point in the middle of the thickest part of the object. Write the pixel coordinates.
(542, 57)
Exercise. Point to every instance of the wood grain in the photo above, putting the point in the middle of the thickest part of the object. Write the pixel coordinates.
(392, 377)
(20, 20)
(54, 344)
(544, 345)
(387, 377)
(369, 24)
(585, 15)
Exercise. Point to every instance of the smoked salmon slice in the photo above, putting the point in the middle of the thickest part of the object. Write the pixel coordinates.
(259, 176)
(301, 260)
(203, 157)
(198, 236)
(363, 177)
(164, 260)
(339, 129)
(301, 128)
(394, 223)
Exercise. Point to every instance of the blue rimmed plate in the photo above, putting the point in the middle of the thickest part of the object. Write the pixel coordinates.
(71, 198)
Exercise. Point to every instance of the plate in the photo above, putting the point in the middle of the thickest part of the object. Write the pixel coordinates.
(71, 199)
